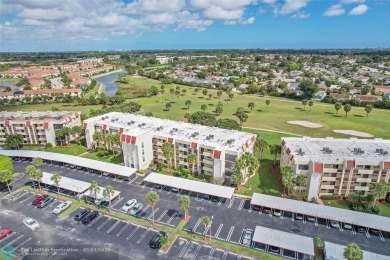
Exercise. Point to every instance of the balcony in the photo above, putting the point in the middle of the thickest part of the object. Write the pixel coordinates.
(362, 171)
(330, 170)
(327, 187)
(363, 180)
(328, 178)
(182, 148)
(207, 154)
(205, 168)
(362, 188)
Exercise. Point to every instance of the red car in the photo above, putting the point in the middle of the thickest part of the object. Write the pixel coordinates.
(255, 207)
(39, 198)
(5, 232)
(266, 210)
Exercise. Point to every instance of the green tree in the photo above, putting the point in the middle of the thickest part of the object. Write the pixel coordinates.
(304, 103)
(251, 105)
(149, 114)
(35, 174)
(188, 103)
(187, 116)
(7, 177)
(287, 178)
(172, 91)
(205, 221)
(275, 150)
(184, 91)
(56, 178)
(192, 160)
(318, 242)
(337, 106)
(219, 109)
(203, 107)
(184, 203)
(210, 96)
(168, 106)
(237, 179)
(94, 188)
(347, 108)
(267, 102)
(167, 150)
(308, 87)
(204, 91)
(97, 138)
(219, 94)
(262, 145)
(310, 103)
(37, 162)
(231, 95)
(228, 123)
(379, 190)
(241, 115)
(368, 109)
(301, 180)
(108, 192)
(353, 252)
(6, 163)
(162, 95)
(253, 166)
(202, 118)
(151, 199)
(14, 141)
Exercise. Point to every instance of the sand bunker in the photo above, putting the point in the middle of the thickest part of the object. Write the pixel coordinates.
(353, 132)
(305, 124)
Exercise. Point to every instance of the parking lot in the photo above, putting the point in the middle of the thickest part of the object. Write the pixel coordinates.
(225, 213)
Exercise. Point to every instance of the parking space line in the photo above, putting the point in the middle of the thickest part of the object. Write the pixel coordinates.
(132, 180)
(184, 248)
(173, 216)
(132, 233)
(341, 227)
(218, 230)
(142, 212)
(196, 225)
(16, 239)
(250, 209)
(230, 233)
(197, 251)
(143, 235)
(231, 202)
(104, 223)
(162, 215)
(327, 224)
(9, 236)
(119, 200)
(381, 235)
(207, 228)
(241, 204)
(211, 253)
(29, 198)
(23, 243)
(153, 213)
(20, 195)
(220, 202)
(367, 233)
(224, 255)
(199, 199)
(353, 230)
(113, 226)
(123, 229)
(94, 221)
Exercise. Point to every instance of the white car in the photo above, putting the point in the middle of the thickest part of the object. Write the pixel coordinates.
(63, 206)
(129, 205)
(98, 202)
(32, 224)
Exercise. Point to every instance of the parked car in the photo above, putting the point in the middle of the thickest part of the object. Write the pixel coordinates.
(63, 206)
(347, 226)
(176, 190)
(206, 197)
(247, 237)
(38, 199)
(334, 224)
(215, 199)
(32, 224)
(5, 232)
(155, 242)
(136, 209)
(79, 167)
(360, 229)
(311, 219)
(88, 218)
(66, 164)
(375, 231)
(266, 210)
(128, 205)
(298, 216)
(81, 214)
(157, 187)
(255, 207)
(98, 202)
(274, 249)
(277, 212)
(43, 203)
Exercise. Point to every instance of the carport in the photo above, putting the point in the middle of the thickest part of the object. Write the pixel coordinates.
(320, 211)
(99, 195)
(190, 185)
(66, 183)
(336, 251)
(117, 170)
(288, 244)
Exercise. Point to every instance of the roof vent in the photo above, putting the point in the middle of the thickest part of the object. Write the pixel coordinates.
(300, 152)
(358, 151)
(327, 150)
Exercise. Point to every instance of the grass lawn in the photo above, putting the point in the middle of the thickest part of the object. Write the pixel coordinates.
(110, 158)
(384, 208)
(73, 149)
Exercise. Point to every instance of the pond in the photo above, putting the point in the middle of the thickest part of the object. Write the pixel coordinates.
(108, 81)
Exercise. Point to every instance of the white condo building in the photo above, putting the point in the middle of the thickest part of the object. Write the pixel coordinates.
(142, 138)
(337, 166)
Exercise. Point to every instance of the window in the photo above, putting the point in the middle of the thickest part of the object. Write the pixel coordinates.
(334, 174)
(143, 158)
(303, 167)
(367, 167)
(142, 144)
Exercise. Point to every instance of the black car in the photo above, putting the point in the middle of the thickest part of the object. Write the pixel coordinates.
(88, 218)
(215, 199)
(155, 242)
(43, 203)
(80, 215)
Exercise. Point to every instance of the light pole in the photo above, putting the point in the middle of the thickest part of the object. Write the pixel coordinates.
(211, 222)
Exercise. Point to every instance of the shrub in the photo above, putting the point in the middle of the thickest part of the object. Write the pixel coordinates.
(6, 163)
(330, 197)
(48, 146)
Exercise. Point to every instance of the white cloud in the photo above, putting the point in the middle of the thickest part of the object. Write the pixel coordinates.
(352, 1)
(334, 10)
(270, 2)
(291, 6)
(301, 15)
(358, 10)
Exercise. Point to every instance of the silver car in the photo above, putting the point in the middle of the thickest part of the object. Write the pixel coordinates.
(32, 224)
(335, 224)
(128, 205)
(247, 237)
(136, 209)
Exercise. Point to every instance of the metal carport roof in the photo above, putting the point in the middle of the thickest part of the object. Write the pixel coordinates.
(336, 251)
(285, 240)
(75, 160)
(195, 186)
(99, 195)
(321, 211)
(66, 183)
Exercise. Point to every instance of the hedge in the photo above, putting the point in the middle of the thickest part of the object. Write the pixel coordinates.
(330, 197)
(6, 163)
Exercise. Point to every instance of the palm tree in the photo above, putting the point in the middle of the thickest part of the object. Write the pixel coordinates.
(187, 116)
(205, 221)
(275, 150)
(237, 179)
(97, 137)
(311, 103)
(7, 177)
(184, 203)
(219, 109)
(347, 108)
(204, 91)
(168, 106)
(184, 91)
(151, 199)
(368, 109)
(108, 192)
(210, 96)
(262, 145)
(231, 95)
(37, 162)
(196, 90)
(267, 102)
(188, 103)
(254, 166)
(162, 91)
(14, 141)
(242, 116)
(192, 160)
(219, 94)
(177, 93)
(304, 103)
(203, 107)
(379, 190)
(353, 252)
(251, 105)
(38, 175)
(66, 131)
(172, 91)
(56, 178)
(167, 150)
(301, 180)
(94, 188)
(110, 138)
(287, 178)
(337, 106)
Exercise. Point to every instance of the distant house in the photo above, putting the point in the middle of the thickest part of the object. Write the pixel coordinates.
(367, 98)
(295, 73)
(386, 97)
(242, 87)
(341, 97)
(334, 87)
(379, 90)
(293, 88)
(320, 95)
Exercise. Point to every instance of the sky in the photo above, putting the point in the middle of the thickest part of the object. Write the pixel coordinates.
(89, 25)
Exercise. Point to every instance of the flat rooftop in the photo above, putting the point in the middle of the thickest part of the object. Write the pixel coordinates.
(336, 252)
(20, 115)
(136, 125)
(330, 149)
